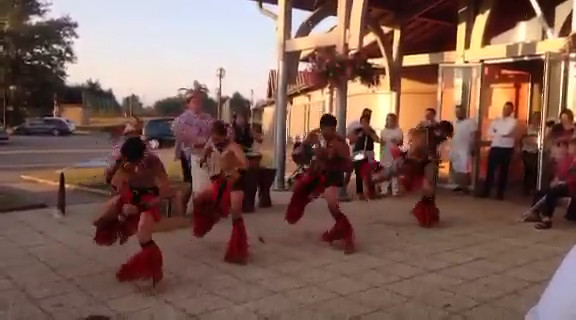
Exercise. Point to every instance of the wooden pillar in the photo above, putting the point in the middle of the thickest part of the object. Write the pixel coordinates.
(396, 67)
(344, 7)
(284, 30)
(571, 87)
(462, 77)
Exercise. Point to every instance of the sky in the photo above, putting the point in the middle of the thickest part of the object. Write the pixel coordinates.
(152, 47)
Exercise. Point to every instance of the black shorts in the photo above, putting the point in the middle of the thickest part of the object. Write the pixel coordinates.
(240, 183)
(334, 179)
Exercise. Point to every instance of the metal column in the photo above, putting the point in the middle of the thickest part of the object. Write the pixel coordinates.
(284, 26)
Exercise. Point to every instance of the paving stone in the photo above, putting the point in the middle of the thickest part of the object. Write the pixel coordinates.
(202, 304)
(477, 265)
(310, 294)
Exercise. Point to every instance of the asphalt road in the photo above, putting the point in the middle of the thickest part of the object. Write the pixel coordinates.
(26, 154)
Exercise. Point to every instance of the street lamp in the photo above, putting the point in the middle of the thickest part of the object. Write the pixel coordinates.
(220, 73)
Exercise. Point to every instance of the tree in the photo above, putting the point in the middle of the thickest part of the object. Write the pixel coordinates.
(239, 104)
(171, 106)
(131, 105)
(37, 51)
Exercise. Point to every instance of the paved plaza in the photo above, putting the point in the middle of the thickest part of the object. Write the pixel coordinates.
(479, 264)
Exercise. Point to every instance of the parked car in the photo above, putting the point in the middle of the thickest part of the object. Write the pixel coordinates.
(55, 127)
(4, 136)
(158, 132)
(71, 125)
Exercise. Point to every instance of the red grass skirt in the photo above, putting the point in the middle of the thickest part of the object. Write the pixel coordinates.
(238, 244)
(426, 212)
(209, 209)
(307, 187)
(342, 230)
(110, 229)
(144, 265)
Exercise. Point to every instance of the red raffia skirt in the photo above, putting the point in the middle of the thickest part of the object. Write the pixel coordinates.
(208, 209)
(110, 230)
(306, 188)
(412, 178)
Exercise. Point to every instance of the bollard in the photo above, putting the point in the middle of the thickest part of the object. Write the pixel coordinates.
(61, 204)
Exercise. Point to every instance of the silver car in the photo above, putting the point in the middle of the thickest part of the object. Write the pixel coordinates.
(4, 136)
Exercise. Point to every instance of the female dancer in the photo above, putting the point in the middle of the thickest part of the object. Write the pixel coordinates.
(326, 175)
(142, 181)
(224, 195)
(421, 167)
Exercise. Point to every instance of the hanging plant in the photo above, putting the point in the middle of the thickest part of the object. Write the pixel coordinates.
(328, 68)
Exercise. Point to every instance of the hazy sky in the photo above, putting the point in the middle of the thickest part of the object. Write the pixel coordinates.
(153, 47)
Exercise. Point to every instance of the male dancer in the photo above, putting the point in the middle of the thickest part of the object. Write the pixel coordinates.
(326, 174)
(142, 181)
(225, 194)
(422, 166)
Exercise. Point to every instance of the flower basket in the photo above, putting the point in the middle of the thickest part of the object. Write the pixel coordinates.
(330, 69)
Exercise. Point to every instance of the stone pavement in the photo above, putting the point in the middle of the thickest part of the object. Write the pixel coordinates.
(479, 264)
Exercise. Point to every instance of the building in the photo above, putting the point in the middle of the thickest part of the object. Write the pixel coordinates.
(436, 53)
(79, 104)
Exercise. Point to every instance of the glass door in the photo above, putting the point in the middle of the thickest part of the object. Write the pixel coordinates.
(458, 85)
(553, 101)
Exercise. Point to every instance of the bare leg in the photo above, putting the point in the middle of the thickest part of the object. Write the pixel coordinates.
(342, 229)
(238, 245)
(147, 263)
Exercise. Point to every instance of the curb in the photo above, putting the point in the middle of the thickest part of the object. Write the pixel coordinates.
(68, 186)
(25, 208)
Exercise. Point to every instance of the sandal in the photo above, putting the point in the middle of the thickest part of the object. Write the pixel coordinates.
(544, 225)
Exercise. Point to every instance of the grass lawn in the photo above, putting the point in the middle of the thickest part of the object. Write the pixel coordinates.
(94, 177)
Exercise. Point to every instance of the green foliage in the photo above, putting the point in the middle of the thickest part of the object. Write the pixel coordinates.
(37, 49)
(171, 106)
(239, 104)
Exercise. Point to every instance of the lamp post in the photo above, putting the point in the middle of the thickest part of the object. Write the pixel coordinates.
(220, 73)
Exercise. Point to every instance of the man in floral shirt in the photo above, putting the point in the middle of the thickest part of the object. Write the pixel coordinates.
(192, 131)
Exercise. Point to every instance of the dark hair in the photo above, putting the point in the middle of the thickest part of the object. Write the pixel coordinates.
(431, 110)
(367, 111)
(446, 128)
(365, 117)
(220, 128)
(509, 103)
(568, 113)
(328, 120)
(133, 149)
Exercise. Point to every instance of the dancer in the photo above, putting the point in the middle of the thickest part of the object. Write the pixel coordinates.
(325, 175)
(224, 195)
(421, 168)
(142, 181)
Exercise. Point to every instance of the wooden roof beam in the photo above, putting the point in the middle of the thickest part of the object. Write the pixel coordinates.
(418, 12)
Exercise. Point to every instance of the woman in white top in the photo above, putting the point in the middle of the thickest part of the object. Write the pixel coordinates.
(390, 137)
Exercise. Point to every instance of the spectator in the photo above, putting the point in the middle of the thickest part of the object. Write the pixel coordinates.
(391, 138)
(463, 144)
(530, 153)
(502, 131)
